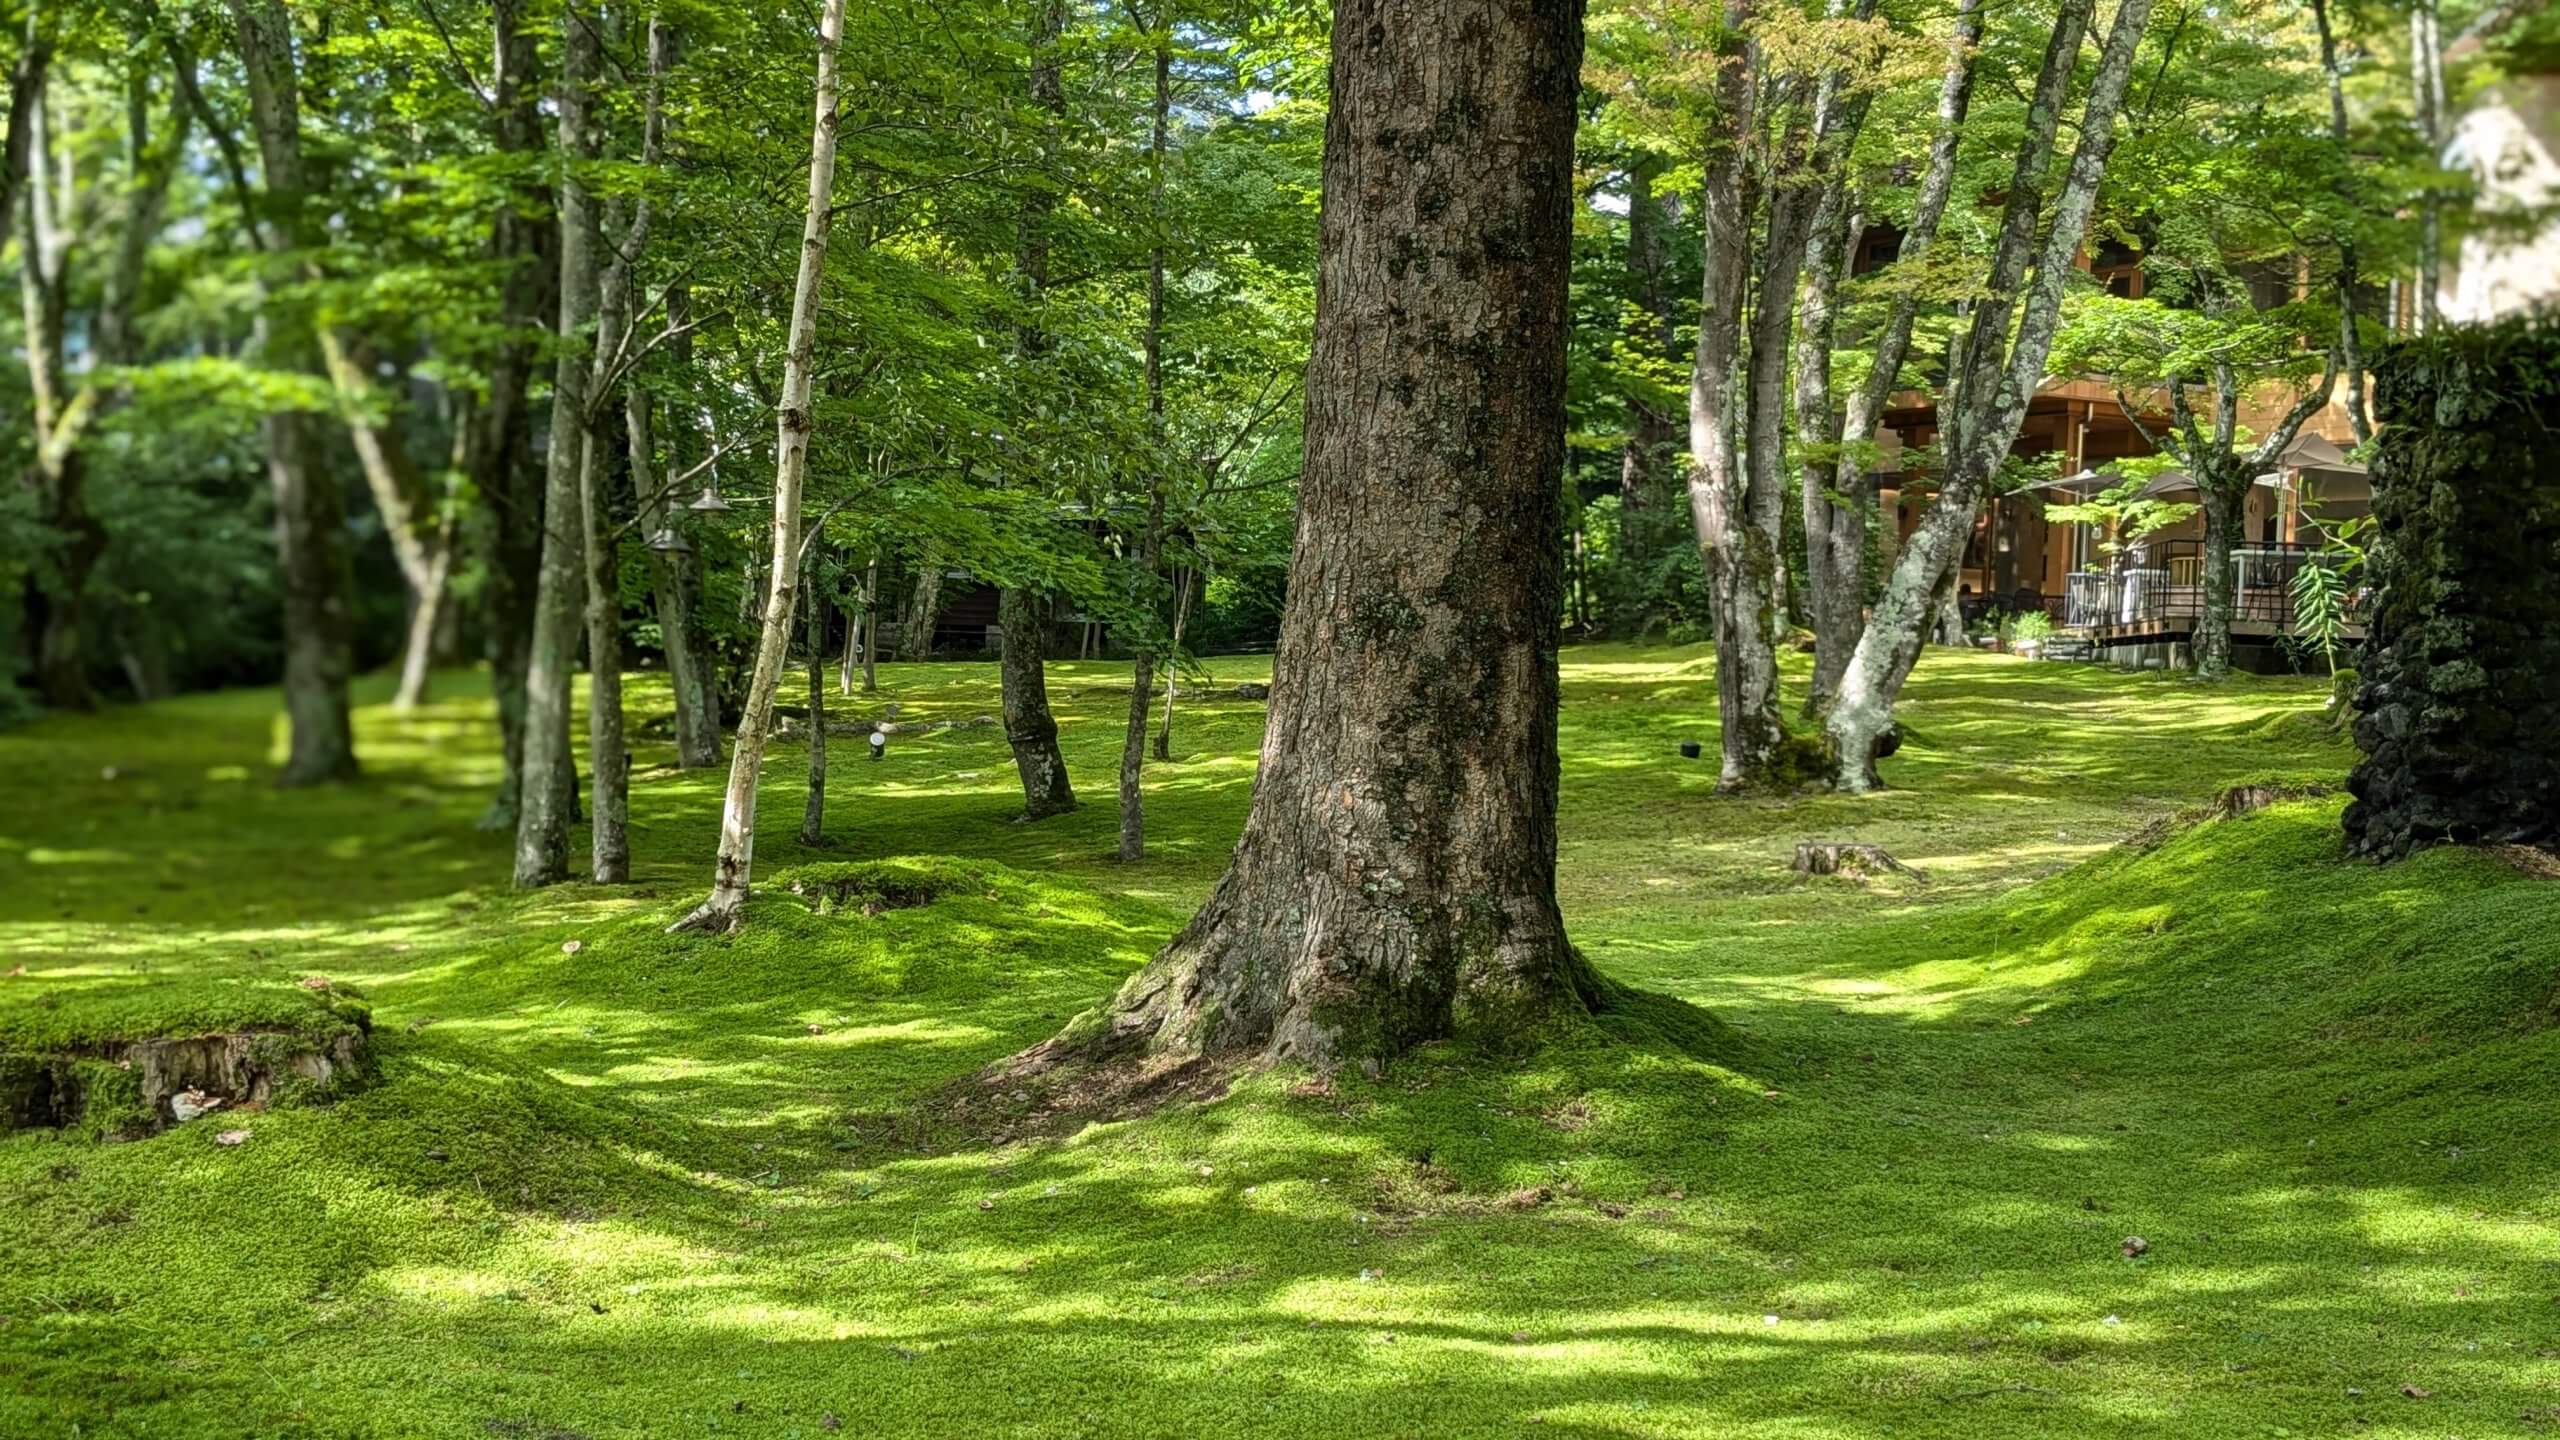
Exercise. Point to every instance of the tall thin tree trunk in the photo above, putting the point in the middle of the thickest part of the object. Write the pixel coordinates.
(1182, 588)
(1645, 464)
(542, 831)
(72, 539)
(871, 627)
(674, 586)
(310, 513)
(404, 500)
(1395, 883)
(813, 809)
(501, 458)
(2426, 65)
(735, 865)
(1738, 572)
(2350, 340)
(1142, 675)
(1029, 727)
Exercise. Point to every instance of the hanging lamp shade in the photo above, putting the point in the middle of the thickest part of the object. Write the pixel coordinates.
(709, 502)
(666, 541)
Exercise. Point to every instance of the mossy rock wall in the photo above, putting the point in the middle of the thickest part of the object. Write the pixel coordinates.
(2458, 715)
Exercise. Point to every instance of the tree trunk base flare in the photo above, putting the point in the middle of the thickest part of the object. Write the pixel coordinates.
(1850, 859)
(2458, 716)
(130, 1089)
(1029, 726)
(722, 914)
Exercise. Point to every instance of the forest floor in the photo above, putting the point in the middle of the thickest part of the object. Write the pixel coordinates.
(638, 1185)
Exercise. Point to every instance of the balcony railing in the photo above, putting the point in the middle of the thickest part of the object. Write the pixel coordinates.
(2164, 581)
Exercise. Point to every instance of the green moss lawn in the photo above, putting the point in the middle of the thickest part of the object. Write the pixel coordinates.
(616, 1184)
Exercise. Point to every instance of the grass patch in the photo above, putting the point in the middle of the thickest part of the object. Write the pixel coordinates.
(1869, 1172)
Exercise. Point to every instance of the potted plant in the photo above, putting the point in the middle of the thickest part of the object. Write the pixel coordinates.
(2026, 633)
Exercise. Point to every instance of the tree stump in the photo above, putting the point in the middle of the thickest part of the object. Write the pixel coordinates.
(1851, 858)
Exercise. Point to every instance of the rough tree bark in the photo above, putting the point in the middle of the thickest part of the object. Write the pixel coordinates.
(735, 865)
(1029, 727)
(542, 829)
(310, 514)
(1996, 372)
(1840, 559)
(1395, 883)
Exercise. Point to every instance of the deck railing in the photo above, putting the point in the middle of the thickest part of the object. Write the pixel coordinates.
(2164, 581)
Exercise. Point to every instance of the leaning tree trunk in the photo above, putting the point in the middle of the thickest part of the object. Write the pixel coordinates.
(403, 499)
(1029, 727)
(1999, 368)
(608, 754)
(310, 513)
(735, 864)
(1838, 621)
(542, 829)
(1395, 883)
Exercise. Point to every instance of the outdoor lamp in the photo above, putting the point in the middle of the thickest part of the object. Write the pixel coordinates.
(709, 502)
(879, 741)
(666, 541)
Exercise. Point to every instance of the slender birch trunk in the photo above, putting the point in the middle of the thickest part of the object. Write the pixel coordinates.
(2426, 63)
(736, 861)
(542, 829)
(405, 500)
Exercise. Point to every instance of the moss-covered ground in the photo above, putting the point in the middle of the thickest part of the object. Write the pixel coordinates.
(613, 1183)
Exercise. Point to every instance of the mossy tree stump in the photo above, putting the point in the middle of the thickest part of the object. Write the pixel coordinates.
(120, 1062)
(2458, 715)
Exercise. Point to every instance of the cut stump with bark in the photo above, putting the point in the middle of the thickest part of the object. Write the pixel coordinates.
(1854, 859)
(127, 1087)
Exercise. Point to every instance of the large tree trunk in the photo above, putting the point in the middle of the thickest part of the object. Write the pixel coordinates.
(542, 832)
(734, 867)
(1998, 373)
(1029, 727)
(1395, 883)
(311, 517)
(501, 453)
